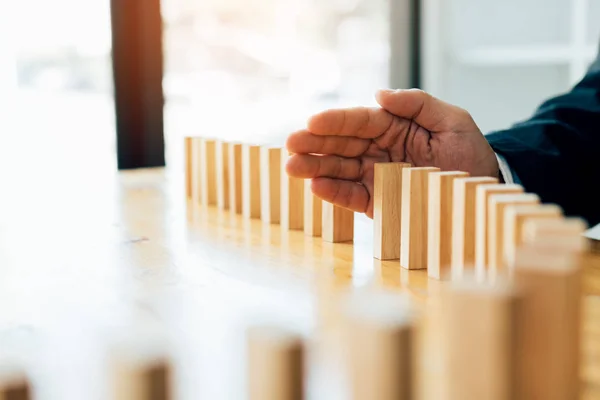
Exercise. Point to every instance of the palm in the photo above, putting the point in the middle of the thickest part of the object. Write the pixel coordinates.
(339, 148)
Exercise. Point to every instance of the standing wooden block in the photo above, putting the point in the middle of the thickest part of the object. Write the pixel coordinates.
(276, 363)
(381, 350)
(483, 351)
(251, 181)
(235, 177)
(439, 219)
(482, 218)
(141, 377)
(197, 170)
(413, 232)
(549, 330)
(208, 175)
(270, 184)
(188, 152)
(292, 199)
(497, 204)
(223, 181)
(14, 384)
(567, 231)
(313, 215)
(463, 223)
(514, 218)
(338, 223)
(387, 206)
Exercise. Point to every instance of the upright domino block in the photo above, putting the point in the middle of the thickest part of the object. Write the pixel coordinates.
(561, 233)
(549, 330)
(14, 384)
(463, 222)
(276, 360)
(483, 351)
(223, 183)
(197, 170)
(235, 177)
(292, 199)
(482, 218)
(313, 215)
(251, 206)
(188, 154)
(514, 218)
(141, 377)
(496, 205)
(208, 174)
(413, 235)
(270, 184)
(387, 202)
(381, 352)
(440, 224)
(338, 223)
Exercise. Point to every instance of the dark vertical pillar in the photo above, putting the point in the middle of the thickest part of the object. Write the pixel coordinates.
(137, 57)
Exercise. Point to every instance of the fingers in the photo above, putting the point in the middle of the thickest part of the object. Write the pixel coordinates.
(360, 122)
(307, 166)
(347, 194)
(426, 110)
(304, 142)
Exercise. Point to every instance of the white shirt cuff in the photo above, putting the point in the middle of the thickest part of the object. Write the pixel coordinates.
(505, 169)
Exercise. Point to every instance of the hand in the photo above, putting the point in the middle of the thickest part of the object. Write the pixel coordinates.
(339, 148)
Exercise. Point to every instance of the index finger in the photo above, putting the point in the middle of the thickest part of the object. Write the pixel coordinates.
(361, 122)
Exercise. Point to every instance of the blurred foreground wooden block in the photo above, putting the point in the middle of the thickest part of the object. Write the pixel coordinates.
(270, 184)
(439, 223)
(251, 204)
(482, 220)
(223, 182)
(338, 223)
(463, 222)
(234, 159)
(550, 325)
(387, 202)
(292, 199)
(497, 203)
(313, 215)
(413, 235)
(514, 218)
(208, 173)
(141, 376)
(276, 363)
(483, 351)
(14, 384)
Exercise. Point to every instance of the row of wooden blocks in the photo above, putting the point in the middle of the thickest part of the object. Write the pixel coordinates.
(251, 180)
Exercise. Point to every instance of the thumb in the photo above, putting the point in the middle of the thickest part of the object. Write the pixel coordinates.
(415, 104)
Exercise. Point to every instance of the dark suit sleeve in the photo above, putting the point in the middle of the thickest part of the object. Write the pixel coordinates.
(556, 153)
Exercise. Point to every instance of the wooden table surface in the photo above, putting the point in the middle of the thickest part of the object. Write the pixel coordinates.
(86, 261)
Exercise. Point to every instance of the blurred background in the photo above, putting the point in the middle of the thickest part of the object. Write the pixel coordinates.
(256, 69)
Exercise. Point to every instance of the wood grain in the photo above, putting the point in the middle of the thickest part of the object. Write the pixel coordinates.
(338, 223)
(313, 215)
(251, 196)
(292, 199)
(270, 184)
(235, 177)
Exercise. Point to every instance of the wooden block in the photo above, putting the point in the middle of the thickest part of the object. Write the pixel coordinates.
(141, 377)
(497, 204)
(483, 351)
(208, 174)
(188, 152)
(270, 184)
(482, 218)
(14, 384)
(313, 215)
(338, 223)
(562, 232)
(463, 223)
(413, 232)
(235, 177)
(514, 218)
(381, 352)
(549, 330)
(196, 173)
(251, 206)
(292, 199)
(223, 182)
(439, 220)
(276, 363)
(387, 205)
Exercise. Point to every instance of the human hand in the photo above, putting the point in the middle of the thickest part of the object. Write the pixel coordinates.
(339, 148)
